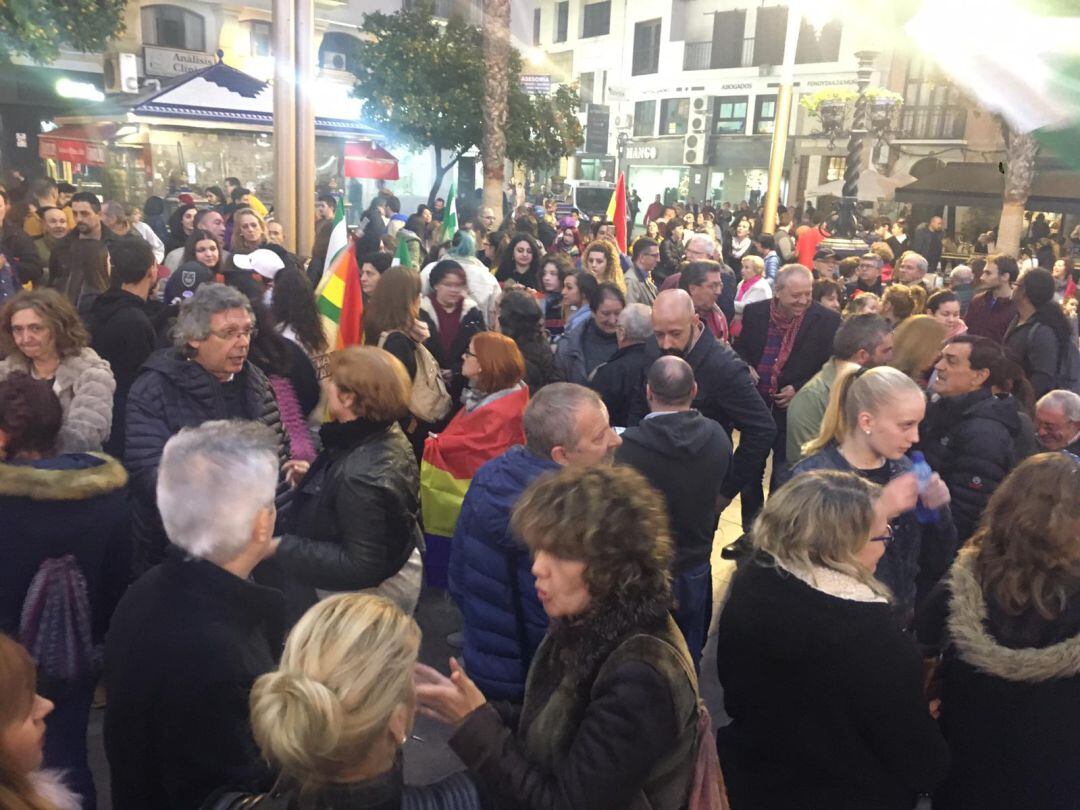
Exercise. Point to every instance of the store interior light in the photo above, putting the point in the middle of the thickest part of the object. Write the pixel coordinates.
(66, 88)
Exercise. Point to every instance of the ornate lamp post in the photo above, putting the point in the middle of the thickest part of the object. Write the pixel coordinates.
(844, 224)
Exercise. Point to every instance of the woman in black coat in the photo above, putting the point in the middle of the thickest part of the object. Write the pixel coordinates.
(610, 716)
(355, 519)
(671, 251)
(824, 690)
(452, 318)
(1008, 618)
(62, 517)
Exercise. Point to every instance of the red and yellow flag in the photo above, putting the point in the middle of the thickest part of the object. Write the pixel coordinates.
(340, 299)
(616, 211)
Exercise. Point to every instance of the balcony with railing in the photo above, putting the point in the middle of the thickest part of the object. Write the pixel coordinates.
(699, 56)
(932, 123)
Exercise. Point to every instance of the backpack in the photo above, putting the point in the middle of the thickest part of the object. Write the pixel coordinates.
(55, 622)
(430, 400)
(1068, 370)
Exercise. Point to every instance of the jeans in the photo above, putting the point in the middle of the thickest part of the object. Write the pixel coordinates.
(693, 608)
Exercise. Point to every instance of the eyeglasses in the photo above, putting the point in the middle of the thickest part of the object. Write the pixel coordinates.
(232, 335)
(886, 538)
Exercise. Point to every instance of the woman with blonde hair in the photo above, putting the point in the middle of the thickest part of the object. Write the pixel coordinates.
(601, 261)
(824, 690)
(900, 302)
(916, 347)
(23, 785)
(335, 715)
(249, 231)
(1008, 618)
(865, 304)
(355, 519)
(871, 422)
(42, 335)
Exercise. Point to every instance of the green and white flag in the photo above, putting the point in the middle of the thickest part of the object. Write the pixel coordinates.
(449, 223)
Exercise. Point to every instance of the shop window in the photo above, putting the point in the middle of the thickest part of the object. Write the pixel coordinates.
(562, 21)
(646, 47)
(337, 51)
(173, 27)
(596, 19)
(832, 168)
(261, 38)
(644, 118)
(729, 115)
(674, 113)
(765, 115)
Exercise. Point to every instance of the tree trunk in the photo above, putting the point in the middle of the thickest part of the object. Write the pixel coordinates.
(496, 90)
(1020, 152)
(440, 173)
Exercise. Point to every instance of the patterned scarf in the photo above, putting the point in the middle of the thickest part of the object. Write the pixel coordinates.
(778, 346)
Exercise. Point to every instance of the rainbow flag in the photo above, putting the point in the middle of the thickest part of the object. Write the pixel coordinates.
(339, 297)
(616, 211)
(452, 457)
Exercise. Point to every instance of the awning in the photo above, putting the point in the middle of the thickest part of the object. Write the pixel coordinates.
(982, 184)
(370, 161)
(872, 186)
(84, 145)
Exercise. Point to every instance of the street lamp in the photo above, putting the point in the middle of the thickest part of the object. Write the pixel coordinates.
(844, 224)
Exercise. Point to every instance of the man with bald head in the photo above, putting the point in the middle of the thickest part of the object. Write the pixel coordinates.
(785, 340)
(725, 392)
(686, 457)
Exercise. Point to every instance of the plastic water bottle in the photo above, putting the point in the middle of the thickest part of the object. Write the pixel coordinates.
(922, 471)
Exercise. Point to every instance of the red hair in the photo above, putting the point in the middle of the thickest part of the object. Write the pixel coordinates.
(500, 360)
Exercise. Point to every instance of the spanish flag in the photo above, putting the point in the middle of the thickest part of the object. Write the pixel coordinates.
(616, 211)
(452, 457)
(340, 300)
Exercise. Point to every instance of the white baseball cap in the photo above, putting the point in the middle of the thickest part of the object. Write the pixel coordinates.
(264, 262)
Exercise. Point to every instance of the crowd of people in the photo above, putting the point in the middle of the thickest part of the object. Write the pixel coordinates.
(222, 528)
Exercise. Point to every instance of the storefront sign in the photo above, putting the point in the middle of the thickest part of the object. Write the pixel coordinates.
(641, 153)
(81, 152)
(21, 141)
(536, 85)
(170, 62)
(738, 86)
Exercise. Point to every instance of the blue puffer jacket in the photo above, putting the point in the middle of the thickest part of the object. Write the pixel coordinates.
(919, 555)
(491, 578)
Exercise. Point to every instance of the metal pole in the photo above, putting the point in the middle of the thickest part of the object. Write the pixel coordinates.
(285, 121)
(783, 120)
(846, 220)
(305, 128)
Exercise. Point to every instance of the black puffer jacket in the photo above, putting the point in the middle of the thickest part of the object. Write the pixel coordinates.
(356, 513)
(970, 441)
(171, 393)
(618, 379)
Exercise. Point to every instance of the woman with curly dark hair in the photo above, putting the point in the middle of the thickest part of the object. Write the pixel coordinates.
(1008, 620)
(609, 716)
(520, 319)
(520, 262)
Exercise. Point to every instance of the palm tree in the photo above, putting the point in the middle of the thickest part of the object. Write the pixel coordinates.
(496, 91)
(1020, 152)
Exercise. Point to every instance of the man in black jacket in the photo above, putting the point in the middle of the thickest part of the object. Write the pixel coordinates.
(927, 242)
(726, 393)
(686, 457)
(785, 341)
(969, 435)
(205, 376)
(188, 640)
(617, 379)
(120, 327)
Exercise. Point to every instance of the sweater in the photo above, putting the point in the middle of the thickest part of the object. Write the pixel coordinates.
(990, 317)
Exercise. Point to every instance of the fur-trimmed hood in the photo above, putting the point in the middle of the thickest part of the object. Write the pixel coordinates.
(71, 477)
(977, 647)
(426, 305)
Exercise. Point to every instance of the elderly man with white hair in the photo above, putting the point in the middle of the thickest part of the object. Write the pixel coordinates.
(703, 247)
(617, 380)
(205, 375)
(190, 637)
(1057, 421)
(912, 268)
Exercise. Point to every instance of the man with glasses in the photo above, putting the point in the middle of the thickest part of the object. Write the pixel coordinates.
(640, 288)
(867, 277)
(1057, 421)
(702, 248)
(206, 375)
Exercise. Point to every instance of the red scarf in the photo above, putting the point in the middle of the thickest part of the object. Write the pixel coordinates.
(788, 326)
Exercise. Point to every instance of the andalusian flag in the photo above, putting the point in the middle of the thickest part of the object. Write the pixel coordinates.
(451, 459)
(1037, 90)
(341, 302)
(616, 211)
(449, 223)
(403, 257)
